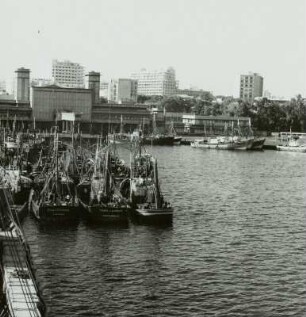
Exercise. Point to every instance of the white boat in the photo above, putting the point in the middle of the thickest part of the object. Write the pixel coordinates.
(222, 143)
(293, 145)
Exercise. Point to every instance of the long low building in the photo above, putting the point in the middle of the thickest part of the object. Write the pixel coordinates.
(115, 117)
(197, 124)
(15, 114)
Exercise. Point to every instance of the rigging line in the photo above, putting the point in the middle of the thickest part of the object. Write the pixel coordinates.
(26, 289)
(16, 256)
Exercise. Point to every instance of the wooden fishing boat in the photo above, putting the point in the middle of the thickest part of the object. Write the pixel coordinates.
(57, 200)
(146, 197)
(222, 143)
(19, 190)
(106, 203)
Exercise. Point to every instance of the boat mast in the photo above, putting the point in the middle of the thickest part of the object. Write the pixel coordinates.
(56, 158)
(157, 191)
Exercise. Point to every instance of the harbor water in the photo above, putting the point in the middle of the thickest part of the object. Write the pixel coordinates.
(236, 247)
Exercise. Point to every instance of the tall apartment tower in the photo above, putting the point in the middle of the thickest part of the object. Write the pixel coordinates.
(22, 85)
(122, 90)
(150, 83)
(94, 85)
(251, 86)
(68, 74)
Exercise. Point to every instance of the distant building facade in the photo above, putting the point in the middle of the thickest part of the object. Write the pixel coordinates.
(51, 103)
(22, 85)
(15, 110)
(113, 118)
(159, 83)
(104, 89)
(192, 92)
(122, 90)
(212, 125)
(68, 74)
(251, 86)
(41, 82)
(93, 83)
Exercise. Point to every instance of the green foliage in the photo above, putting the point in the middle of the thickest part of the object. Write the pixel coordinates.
(267, 115)
(177, 104)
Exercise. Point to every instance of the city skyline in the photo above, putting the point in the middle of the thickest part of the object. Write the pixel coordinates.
(208, 43)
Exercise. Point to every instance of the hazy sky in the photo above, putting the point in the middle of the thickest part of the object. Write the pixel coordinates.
(208, 42)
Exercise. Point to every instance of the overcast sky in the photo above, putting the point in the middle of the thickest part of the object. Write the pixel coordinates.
(208, 42)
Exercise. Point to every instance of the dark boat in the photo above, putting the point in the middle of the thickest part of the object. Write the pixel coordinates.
(158, 139)
(145, 194)
(19, 190)
(57, 200)
(105, 202)
(257, 144)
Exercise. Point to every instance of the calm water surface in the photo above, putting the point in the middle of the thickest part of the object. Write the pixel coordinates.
(237, 245)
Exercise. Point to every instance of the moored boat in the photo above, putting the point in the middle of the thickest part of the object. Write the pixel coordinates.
(104, 203)
(222, 143)
(57, 200)
(292, 145)
(146, 197)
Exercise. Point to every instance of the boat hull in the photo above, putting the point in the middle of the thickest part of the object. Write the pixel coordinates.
(257, 144)
(151, 212)
(162, 140)
(54, 213)
(104, 214)
(300, 149)
(243, 145)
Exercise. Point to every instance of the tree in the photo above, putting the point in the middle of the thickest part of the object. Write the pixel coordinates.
(176, 104)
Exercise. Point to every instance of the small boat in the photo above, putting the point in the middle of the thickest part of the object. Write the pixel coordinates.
(222, 143)
(292, 145)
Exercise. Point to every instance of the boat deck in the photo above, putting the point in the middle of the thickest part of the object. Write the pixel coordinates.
(19, 287)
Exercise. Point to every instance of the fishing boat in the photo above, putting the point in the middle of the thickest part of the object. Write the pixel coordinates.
(257, 143)
(105, 203)
(158, 139)
(292, 144)
(57, 200)
(222, 143)
(145, 193)
(20, 296)
(19, 187)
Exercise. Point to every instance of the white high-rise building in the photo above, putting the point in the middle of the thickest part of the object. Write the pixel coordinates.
(104, 89)
(68, 74)
(122, 90)
(161, 83)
